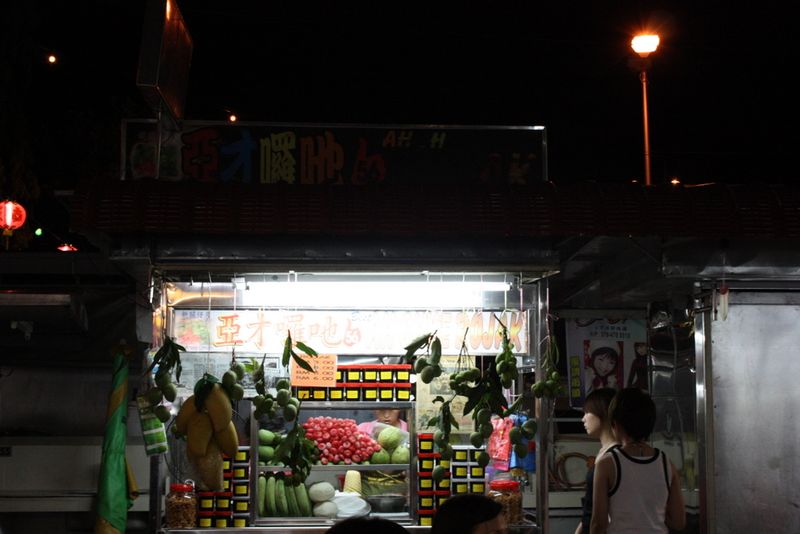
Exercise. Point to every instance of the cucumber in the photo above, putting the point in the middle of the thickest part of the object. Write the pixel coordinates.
(280, 499)
(291, 500)
(303, 502)
(271, 503)
(261, 494)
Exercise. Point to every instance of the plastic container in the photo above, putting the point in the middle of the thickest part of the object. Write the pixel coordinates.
(336, 393)
(426, 500)
(402, 392)
(181, 506)
(440, 497)
(425, 442)
(425, 482)
(476, 471)
(223, 519)
(425, 517)
(302, 392)
(352, 391)
(370, 373)
(241, 488)
(205, 519)
(460, 455)
(477, 486)
(241, 520)
(426, 461)
(459, 471)
(385, 393)
(205, 501)
(240, 505)
(458, 487)
(508, 494)
(241, 471)
(473, 454)
(222, 501)
(369, 392)
(402, 373)
(242, 455)
(386, 373)
(353, 373)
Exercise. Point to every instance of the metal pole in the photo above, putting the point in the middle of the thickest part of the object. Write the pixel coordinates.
(543, 417)
(643, 78)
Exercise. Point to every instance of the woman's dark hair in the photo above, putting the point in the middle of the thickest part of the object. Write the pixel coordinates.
(605, 351)
(365, 525)
(598, 401)
(460, 513)
(634, 411)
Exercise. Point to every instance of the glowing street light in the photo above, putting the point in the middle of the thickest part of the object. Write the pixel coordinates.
(644, 45)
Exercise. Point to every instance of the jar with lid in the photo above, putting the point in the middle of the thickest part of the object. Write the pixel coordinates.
(181, 506)
(508, 494)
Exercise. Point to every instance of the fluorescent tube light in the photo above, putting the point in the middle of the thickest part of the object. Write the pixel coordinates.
(370, 295)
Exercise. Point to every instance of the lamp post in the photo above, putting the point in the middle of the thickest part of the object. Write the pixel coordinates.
(644, 45)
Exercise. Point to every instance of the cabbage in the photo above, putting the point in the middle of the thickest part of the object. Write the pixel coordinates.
(319, 492)
(325, 509)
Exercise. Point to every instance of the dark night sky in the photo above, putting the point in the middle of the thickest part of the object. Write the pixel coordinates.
(721, 103)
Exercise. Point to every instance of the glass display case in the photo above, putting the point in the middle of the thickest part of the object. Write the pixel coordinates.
(372, 485)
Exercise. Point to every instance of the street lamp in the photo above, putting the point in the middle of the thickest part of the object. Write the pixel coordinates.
(644, 45)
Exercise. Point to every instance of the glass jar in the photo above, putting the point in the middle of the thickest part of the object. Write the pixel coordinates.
(508, 494)
(181, 506)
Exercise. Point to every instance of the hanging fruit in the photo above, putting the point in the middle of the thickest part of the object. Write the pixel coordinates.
(168, 361)
(483, 389)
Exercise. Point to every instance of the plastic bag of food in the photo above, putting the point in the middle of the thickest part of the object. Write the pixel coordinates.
(499, 447)
(350, 505)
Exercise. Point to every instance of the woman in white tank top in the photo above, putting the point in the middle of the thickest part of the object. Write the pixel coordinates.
(636, 488)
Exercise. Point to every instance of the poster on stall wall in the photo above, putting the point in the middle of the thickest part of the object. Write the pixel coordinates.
(195, 364)
(605, 353)
(426, 409)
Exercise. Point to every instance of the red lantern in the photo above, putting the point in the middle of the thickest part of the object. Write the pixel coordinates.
(12, 216)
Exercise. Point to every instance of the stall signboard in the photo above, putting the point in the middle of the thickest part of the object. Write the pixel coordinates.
(323, 375)
(346, 332)
(605, 353)
(334, 154)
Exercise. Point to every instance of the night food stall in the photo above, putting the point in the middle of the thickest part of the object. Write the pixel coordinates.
(359, 324)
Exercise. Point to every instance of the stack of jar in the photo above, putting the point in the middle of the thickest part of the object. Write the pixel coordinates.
(231, 506)
(507, 493)
(391, 382)
(181, 506)
(430, 493)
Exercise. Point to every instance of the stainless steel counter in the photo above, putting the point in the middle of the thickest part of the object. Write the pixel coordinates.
(316, 530)
(283, 529)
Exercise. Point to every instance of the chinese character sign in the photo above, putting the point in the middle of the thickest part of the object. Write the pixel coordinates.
(605, 353)
(342, 155)
(345, 332)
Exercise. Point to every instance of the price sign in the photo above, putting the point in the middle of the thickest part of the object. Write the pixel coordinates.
(324, 375)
